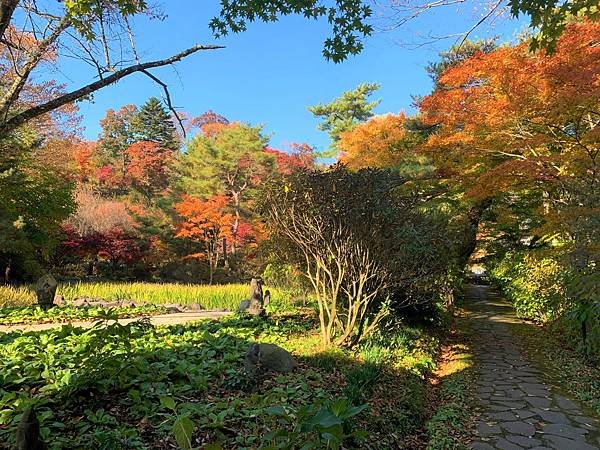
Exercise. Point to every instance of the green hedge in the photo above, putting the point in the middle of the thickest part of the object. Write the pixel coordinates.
(543, 286)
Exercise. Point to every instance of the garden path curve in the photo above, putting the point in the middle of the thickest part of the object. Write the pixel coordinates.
(519, 407)
(163, 319)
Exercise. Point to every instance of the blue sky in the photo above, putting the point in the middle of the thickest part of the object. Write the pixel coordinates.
(270, 74)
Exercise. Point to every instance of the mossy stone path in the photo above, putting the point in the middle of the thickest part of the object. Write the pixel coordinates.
(520, 409)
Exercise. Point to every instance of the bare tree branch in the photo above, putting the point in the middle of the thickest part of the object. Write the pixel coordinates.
(36, 111)
(15, 89)
(167, 98)
(483, 19)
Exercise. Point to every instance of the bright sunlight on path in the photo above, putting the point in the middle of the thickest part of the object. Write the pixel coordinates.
(519, 409)
(165, 319)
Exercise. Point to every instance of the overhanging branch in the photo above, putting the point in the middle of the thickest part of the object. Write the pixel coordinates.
(15, 121)
(167, 98)
(7, 8)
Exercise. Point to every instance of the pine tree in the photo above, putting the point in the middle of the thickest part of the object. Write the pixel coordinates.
(153, 123)
(344, 112)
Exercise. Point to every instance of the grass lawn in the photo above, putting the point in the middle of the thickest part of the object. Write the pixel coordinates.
(224, 296)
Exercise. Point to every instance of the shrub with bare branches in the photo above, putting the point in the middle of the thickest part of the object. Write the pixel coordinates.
(365, 242)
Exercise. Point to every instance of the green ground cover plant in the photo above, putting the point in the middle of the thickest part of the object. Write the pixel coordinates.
(454, 400)
(141, 387)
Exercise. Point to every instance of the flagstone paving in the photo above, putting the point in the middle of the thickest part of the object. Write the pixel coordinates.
(519, 408)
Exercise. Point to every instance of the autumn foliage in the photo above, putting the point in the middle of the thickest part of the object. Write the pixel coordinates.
(380, 142)
(301, 157)
(510, 106)
(208, 223)
(147, 167)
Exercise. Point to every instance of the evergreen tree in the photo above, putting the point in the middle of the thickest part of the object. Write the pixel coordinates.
(344, 112)
(229, 161)
(153, 123)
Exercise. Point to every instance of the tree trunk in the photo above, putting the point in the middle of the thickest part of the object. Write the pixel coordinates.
(474, 217)
(236, 206)
(7, 8)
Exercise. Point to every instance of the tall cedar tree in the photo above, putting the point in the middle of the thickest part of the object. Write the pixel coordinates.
(153, 123)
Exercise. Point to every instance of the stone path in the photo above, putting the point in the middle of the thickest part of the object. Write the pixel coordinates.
(519, 409)
(163, 319)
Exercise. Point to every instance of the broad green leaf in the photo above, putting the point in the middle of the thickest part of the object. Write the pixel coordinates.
(168, 402)
(182, 429)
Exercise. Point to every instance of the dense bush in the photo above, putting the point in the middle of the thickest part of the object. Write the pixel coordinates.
(534, 282)
(363, 241)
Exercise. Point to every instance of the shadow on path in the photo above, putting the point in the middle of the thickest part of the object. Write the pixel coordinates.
(519, 409)
(157, 320)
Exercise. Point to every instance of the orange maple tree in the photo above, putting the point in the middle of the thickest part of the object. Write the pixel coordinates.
(525, 115)
(302, 156)
(380, 142)
(147, 167)
(209, 223)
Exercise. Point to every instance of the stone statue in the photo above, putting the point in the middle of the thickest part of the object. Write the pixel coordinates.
(8, 272)
(45, 290)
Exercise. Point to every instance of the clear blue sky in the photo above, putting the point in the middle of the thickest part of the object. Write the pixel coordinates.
(269, 74)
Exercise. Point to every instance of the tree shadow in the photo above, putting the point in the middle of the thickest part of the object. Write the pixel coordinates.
(103, 387)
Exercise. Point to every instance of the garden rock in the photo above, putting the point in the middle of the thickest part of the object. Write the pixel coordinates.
(173, 308)
(90, 302)
(268, 357)
(28, 432)
(45, 290)
(244, 305)
(256, 305)
(194, 307)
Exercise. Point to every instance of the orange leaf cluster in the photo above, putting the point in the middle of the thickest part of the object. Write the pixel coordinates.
(205, 219)
(380, 142)
(147, 165)
(512, 102)
(513, 105)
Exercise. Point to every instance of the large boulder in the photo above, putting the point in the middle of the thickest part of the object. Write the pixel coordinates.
(268, 358)
(45, 290)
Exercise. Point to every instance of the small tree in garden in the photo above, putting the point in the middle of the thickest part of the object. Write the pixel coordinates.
(208, 223)
(344, 273)
(227, 159)
(334, 221)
